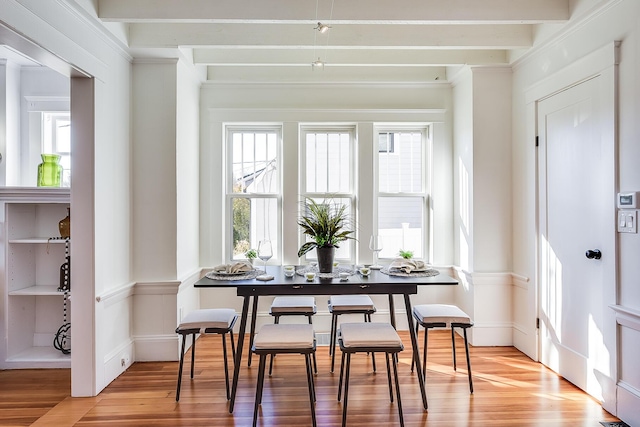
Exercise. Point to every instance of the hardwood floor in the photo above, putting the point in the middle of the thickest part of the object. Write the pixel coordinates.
(509, 390)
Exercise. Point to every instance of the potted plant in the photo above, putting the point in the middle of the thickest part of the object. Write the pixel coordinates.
(405, 254)
(325, 223)
(251, 254)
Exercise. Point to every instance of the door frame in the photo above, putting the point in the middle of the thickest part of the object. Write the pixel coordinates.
(604, 64)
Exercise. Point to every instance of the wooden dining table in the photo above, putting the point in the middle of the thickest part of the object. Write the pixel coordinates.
(377, 283)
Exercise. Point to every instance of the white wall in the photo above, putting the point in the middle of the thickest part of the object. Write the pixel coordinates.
(617, 22)
(482, 161)
(187, 168)
(360, 105)
(101, 194)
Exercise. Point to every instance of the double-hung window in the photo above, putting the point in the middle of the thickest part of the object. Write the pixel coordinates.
(327, 174)
(253, 193)
(402, 190)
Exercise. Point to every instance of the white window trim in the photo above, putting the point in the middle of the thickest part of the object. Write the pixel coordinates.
(228, 187)
(351, 195)
(426, 180)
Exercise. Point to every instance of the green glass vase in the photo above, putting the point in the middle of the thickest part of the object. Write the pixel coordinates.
(49, 171)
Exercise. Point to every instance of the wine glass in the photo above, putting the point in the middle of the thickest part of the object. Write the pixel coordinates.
(375, 244)
(265, 252)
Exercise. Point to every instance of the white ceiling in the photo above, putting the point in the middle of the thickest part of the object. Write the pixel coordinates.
(275, 40)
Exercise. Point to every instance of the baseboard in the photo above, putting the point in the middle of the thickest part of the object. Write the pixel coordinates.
(628, 404)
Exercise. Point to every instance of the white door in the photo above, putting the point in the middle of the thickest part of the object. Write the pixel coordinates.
(576, 177)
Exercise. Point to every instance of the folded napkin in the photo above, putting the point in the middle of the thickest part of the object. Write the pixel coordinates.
(238, 267)
(407, 265)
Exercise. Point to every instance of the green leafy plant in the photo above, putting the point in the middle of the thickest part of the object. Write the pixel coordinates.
(325, 223)
(251, 254)
(405, 254)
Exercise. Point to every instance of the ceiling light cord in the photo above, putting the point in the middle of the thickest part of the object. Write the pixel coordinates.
(322, 29)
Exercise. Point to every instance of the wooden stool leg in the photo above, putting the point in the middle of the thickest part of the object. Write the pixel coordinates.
(184, 339)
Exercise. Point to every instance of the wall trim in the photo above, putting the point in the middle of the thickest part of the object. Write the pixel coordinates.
(114, 295)
(157, 288)
(627, 317)
(533, 53)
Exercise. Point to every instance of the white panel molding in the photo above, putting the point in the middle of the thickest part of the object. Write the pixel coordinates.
(156, 348)
(47, 103)
(118, 360)
(628, 402)
(157, 288)
(575, 73)
(211, 85)
(576, 24)
(627, 317)
(520, 281)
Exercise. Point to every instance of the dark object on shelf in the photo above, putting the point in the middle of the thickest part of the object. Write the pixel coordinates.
(64, 226)
(65, 273)
(62, 340)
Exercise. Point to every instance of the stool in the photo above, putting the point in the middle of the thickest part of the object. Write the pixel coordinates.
(442, 316)
(293, 306)
(348, 304)
(207, 321)
(276, 339)
(371, 338)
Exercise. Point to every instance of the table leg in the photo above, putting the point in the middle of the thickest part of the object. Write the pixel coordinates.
(416, 351)
(392, 311)
(254, 312)
(236, 363)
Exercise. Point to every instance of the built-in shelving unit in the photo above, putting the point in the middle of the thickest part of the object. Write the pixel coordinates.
(33, 254)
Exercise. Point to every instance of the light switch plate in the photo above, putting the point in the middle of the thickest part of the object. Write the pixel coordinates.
(627, 221)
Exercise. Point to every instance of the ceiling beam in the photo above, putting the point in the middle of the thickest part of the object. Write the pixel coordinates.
(362, 11)
(347, 57)
(297, 36)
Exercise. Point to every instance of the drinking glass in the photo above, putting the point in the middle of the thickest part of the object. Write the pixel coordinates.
(375, 244)
(265, 252)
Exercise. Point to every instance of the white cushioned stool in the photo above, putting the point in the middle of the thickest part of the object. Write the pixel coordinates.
(347, 304)
(293, 306)
(443, 316)
(206, 321)
(277, 339)
(370, 338)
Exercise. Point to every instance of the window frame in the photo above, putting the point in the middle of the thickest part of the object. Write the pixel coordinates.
(229, 195)
(426, 130)
(350, 195)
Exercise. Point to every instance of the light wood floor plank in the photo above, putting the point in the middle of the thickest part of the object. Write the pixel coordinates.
(509, 390)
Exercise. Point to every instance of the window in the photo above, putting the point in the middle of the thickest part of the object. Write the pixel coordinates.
(253, 188)
(56, 139)
(402, 191)
(327, 172)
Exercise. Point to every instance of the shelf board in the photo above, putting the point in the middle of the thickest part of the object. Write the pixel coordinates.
(38, 240)
(38, 290)
(45, 357)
